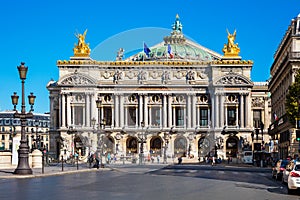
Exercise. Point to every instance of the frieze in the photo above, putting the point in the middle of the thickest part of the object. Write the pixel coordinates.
(155, 74)
(258, 102)
(232, 79)
(179, 74)
(130, 74)
(106, 74)
(77, 98)
(76, 79)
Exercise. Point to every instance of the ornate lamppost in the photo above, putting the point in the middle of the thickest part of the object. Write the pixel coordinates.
(23, 165)
(101, 126)
(166, 138)
(142, 139)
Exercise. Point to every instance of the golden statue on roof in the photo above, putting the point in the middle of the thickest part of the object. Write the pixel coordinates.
(81, 49)
(230, 49)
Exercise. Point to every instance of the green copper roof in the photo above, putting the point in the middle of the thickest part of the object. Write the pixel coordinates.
(181, 48)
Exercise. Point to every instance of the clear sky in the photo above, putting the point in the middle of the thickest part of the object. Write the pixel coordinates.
(41, 32)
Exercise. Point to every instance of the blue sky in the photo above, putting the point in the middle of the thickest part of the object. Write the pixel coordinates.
(41, 32)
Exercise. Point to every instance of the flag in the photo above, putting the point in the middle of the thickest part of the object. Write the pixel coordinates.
(275, 117)
(170, 51)
(146, 50)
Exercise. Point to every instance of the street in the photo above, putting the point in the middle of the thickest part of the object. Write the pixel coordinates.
(151, 182)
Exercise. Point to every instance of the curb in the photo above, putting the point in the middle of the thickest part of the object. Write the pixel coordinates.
(58, 173)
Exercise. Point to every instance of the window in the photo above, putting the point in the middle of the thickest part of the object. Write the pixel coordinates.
(231, 116)
(155, 116)
(179, 116)
(256, 118)
(131, 116)
(108, 115)
(3, 137)
(203, 116)
(78, 115)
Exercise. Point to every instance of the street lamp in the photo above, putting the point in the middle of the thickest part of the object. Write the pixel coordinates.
(166, 138)
(101, 125)
(23, 165)
(142, 139)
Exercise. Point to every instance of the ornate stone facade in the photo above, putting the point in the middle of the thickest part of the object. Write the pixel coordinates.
(192, 105)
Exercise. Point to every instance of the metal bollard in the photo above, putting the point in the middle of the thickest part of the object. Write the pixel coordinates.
(43, 163)
(77, 162)
(62, 163)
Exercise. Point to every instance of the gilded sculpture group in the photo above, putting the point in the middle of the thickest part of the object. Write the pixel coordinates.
(82, 49)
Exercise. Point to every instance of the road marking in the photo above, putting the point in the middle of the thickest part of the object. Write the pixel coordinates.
(221, 172)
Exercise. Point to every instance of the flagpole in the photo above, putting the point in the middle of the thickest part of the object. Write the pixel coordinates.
(167, 53)
(143, 49)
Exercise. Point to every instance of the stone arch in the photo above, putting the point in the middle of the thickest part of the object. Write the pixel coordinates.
(131, 145)
(108, 144)
(180, 147)
(232, 146)
(156, 146)
(79, 147)
(203, 147)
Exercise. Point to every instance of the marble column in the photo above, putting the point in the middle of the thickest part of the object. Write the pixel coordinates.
(165, 117)
(69, 122)
(63, 109)
(121, 111)
(87, 109)
(140, 108)
(188, 112)
(248, 109)
(194, 110)
(217, 110)
(170, 111)
(221, 107)
(146, 110)
(242, 111)
(117, 112)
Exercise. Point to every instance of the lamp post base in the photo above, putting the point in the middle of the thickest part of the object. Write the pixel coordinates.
(23, 165)
(23, 171)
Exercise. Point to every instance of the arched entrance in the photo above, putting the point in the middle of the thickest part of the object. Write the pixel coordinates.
(131, 146)
(155, 146)
(180, 147)
(203, 147)
(232, 146)
(108, 145)
(79, 147)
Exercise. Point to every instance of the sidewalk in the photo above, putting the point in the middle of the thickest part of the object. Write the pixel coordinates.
(56, 169)
(49, 171)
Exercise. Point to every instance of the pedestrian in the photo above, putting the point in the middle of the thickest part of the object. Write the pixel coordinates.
(213, 161)
(179, 160)
(108, 158)
(157, 159)
(152, 159)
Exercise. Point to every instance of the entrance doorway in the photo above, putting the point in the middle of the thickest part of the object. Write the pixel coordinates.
(131, 146)
(232, 146)
(155, 146)
(180, 147)
(203, 147)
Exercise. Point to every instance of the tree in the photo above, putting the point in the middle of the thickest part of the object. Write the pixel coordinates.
(293, 100)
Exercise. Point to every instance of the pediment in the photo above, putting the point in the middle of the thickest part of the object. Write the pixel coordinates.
(233, 79)
(77, 79)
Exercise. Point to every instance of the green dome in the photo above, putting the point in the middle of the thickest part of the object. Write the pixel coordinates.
(181, 48)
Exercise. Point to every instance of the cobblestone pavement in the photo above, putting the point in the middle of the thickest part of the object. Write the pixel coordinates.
(58, 169)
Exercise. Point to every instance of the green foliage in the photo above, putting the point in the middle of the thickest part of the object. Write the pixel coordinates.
(293, 100)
